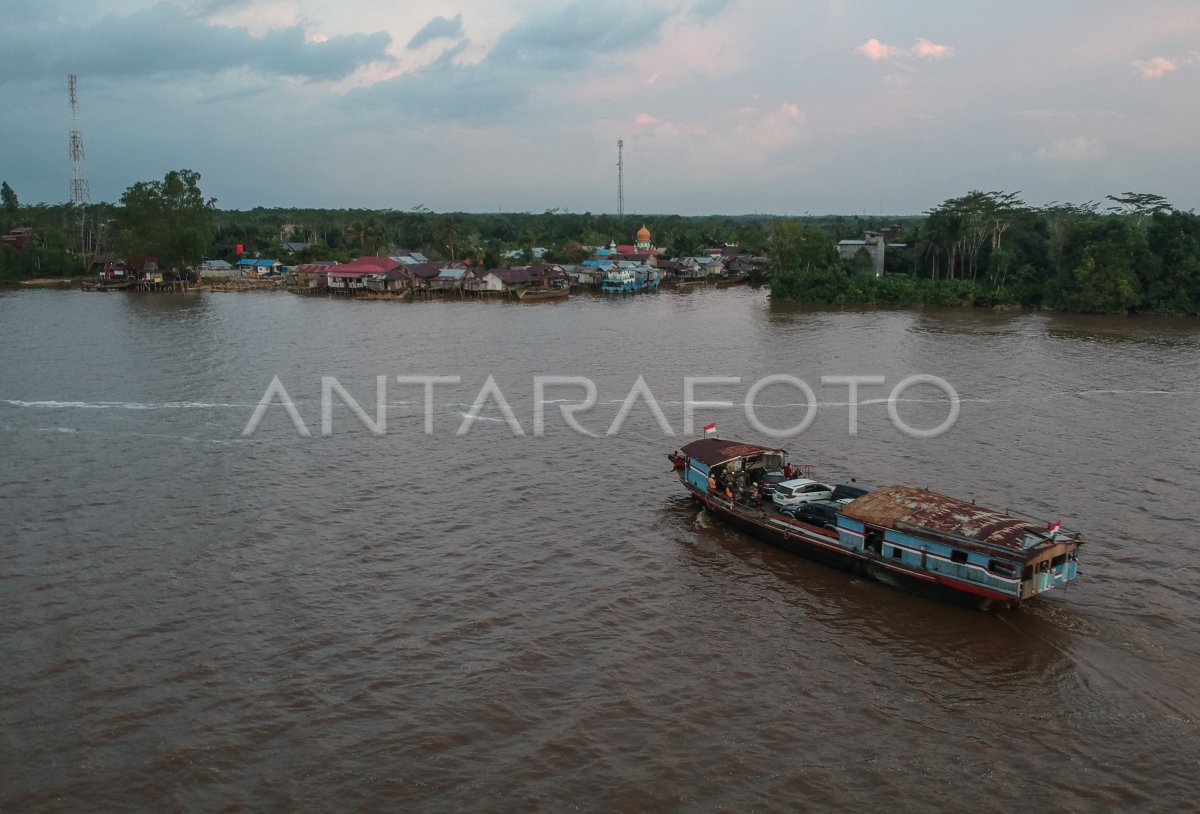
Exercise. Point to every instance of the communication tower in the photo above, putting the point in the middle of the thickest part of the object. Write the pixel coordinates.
(79, 185)
(620, 178)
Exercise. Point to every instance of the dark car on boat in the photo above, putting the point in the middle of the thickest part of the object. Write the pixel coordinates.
(846, 492)
(823, 513)
(769, 479)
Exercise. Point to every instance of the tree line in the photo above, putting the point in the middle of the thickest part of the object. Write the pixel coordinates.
(1134, 252)
(1131, 252)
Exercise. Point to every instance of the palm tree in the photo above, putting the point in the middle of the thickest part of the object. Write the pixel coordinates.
(449, 234)
(356, 233)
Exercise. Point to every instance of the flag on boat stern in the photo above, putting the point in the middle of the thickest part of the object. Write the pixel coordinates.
(710, 429)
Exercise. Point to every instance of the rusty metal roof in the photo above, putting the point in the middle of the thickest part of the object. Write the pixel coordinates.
(907, 508)
(714, 451)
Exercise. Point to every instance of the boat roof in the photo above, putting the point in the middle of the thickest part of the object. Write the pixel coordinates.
(908, 508)
(716, 451)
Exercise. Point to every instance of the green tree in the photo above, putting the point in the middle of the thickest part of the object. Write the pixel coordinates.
(1104, 278)
(366, 234)
(9, 198)
(168, 219)
(795, 247)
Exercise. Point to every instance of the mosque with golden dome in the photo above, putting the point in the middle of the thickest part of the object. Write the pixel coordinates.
(643, 244)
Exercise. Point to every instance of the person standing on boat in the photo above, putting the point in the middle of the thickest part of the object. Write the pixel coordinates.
(712, 483)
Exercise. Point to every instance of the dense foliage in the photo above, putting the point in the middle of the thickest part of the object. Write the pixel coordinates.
(990, 249)
(1135, 253)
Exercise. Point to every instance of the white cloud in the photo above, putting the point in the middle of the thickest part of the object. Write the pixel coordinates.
(1075, 150)
(258, 18)
(436, 29)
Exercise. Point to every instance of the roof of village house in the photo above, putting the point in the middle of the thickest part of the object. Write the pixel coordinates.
(398, 273)
(513, 276)
(315, 267)
(425, 271)
(409, 258)
(366, 265)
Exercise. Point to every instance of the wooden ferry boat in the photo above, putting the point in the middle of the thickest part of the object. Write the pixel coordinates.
(903, 536)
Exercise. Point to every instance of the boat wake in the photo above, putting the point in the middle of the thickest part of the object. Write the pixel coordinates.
(119, 405)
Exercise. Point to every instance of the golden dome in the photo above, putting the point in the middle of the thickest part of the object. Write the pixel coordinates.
(643, 234)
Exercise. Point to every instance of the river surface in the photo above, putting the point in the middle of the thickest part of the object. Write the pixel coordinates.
(381, 618)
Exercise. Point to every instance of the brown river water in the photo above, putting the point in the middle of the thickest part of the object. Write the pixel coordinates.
(194, 619)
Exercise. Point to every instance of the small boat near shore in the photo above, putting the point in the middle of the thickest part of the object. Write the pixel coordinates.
(903, 536)
(122, 284)
(538, 294)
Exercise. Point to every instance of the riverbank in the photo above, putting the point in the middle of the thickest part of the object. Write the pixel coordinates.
(834, 287)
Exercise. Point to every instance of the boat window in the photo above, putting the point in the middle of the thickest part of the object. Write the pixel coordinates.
(1004, 569)
(1057, 561)
(1027, 572)
(871, 541)
(958, 556)
(897, 553)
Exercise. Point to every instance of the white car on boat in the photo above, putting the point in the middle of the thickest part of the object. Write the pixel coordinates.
(800, 490)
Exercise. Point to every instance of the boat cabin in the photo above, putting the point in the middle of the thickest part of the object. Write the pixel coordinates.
(945, 535)
(725, 460)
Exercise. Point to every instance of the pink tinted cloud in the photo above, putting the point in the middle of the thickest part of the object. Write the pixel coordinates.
(1153, 68)
(925, 49)
(876, 51)
(645, 119)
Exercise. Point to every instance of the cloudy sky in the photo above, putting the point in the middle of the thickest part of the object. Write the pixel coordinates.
(725, 106)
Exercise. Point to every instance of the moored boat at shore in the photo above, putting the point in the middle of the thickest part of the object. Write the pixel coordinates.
(536, 294)
(903, 536)
(631, 280)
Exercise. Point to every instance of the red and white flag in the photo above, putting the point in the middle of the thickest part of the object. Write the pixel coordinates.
(710, 429)
(1055, 526)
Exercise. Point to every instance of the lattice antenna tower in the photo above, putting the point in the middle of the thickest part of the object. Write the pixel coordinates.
(620, 178)
(79, 186)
